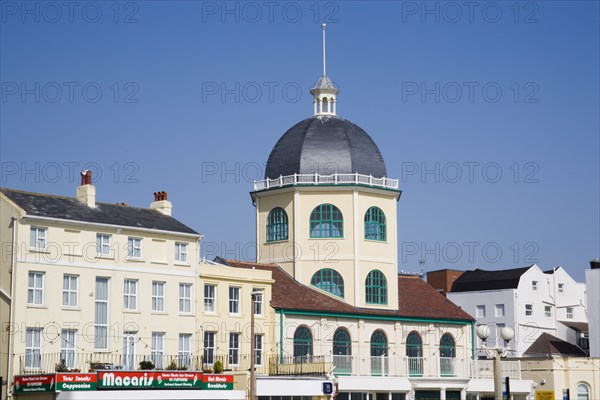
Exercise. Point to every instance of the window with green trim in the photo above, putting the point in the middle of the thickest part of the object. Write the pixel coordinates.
(375, 228)
(414, 353)
(302, 343)
(378, 344)
(341, 343)
(329, 280)
(447, 346)
(414, 345)
(326, 221)
(376, 288)
(277, 225)
(379, 351)
(447, 355)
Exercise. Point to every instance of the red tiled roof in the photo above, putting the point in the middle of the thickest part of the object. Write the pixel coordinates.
(416, 299)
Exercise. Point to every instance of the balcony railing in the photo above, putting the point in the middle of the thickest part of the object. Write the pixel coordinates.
(415, 367)
(88, 362)
(333, 179)
(400, 366)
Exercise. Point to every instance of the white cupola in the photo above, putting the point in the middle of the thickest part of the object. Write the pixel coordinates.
(324, 91)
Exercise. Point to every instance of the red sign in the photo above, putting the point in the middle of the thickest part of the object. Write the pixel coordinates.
(214, 378)
(75, 382)
(33, 383)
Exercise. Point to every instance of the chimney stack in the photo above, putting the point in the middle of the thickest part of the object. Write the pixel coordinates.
(86, 192)
(161, 204)
(595, 264)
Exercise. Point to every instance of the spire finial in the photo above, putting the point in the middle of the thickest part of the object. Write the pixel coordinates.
(324, 26)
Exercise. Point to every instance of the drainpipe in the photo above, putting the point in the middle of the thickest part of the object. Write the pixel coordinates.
(280, 336)
(13, 274)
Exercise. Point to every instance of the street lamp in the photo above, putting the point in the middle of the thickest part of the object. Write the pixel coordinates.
(253, 295)
(507, 333)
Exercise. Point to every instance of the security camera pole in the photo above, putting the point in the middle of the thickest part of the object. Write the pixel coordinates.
(507, 333)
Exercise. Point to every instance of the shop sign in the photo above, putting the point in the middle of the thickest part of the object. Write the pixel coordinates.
(217, 382)
(71, 382)
(149, 380)
(33, 383)
(544, 395)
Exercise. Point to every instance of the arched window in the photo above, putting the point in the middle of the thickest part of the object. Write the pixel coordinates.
(277, 225)
(414, 353)
(342, 351)
(376, 288)
(583, 392)
(325, 106)
(328, 280)
(341, 343)
(326, 221)
(302, 343)
(375, 224)
(447, 355)
(379, 348)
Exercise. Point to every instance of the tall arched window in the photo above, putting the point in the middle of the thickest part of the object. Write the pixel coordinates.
(375, 228)
(583, 392)
(414, 353)
(379, 348)
(447, 355)
(302, 343)
(376, 288)
(277, 225)
(326, 221)
(342, 350)
(328, 280)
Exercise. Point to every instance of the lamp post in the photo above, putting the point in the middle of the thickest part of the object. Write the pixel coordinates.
(253, 295)
(507, 333)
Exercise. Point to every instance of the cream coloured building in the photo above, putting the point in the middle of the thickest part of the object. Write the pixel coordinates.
(87, 286)
(557, 374)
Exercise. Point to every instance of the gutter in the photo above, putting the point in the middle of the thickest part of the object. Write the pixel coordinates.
(134, 228)
(378, 317)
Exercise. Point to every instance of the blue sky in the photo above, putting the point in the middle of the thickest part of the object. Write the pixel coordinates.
(487, 113)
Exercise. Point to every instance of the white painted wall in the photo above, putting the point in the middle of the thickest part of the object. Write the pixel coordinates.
(592, 278)
(529, 327)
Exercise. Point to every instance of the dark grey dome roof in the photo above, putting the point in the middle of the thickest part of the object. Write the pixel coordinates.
(325, 145)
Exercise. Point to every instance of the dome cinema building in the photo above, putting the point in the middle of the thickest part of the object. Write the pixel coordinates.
(326, 229)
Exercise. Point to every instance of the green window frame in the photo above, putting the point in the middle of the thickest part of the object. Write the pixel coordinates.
(414, 353)
(376, 288)
(328, 280)
(414, 345)
(303, 343)
(447, 346)
(277, 225)
(375, 227)
(326, 221)
(379, 353)
(342, 345)
(447, 355)
(379, 343)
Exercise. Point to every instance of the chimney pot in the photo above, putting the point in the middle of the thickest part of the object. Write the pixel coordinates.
(161, 203)
(595, 264)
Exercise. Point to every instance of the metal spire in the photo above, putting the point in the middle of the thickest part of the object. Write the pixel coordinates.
(324, 26)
